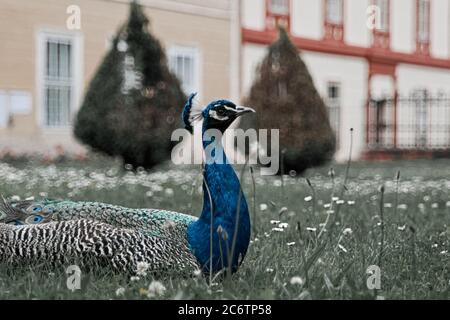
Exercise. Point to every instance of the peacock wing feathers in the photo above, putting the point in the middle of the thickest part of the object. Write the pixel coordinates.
(92, 243)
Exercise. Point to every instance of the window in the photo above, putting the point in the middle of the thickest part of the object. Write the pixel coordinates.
(279, 7)
(334, 21)
(334, 11)
(383, 23)
(58, 81)
(423, 21)
(334, 105)
(183, 61)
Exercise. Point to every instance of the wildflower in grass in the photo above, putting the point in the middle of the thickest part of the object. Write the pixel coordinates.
(43, 194)
(327, 205)
(402, 206)
(447, 204)
(120, 292)
(149, 194)
(308, 198)
(347, 231)
(426, 198)
(278, 229)
(444, 252)
(269, 270)
(330, 211)
(335, 198)
(388, 205)
(168, 192)
(274, 221)
(350, 202)
(401, 228)
(277, 183)
(311, 229)
(266, 234)
(421, 207)
(342, 248)
(142, 268)
(15, 198)
(435, 205)
(340, 202)
(290, 244)
(435, 245)
(283, 225)
(297, 281)
(256, 239)
(155, 289)
(134, 278)
(263, 207)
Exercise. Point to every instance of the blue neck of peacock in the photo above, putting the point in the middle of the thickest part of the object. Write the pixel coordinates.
(225, 197)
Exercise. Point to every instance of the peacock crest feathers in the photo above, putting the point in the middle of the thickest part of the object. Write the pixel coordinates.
(191, 114)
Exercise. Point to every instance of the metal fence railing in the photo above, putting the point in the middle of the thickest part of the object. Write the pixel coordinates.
(417, 122)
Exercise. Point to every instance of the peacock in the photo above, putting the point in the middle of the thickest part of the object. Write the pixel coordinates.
(93, 233)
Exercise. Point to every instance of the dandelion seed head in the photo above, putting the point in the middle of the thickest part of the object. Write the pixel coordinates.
(155, 289)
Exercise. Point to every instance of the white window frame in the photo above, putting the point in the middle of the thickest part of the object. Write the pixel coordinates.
(279, 7)
(336, 105)
(76, 41)
(334, 12)
(194, 53)
(423, 20)
(383, 5)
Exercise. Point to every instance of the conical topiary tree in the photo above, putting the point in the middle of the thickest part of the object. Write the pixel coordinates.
(284, 96)
(133, 102)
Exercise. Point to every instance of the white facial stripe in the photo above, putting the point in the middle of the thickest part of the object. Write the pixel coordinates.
(213, 114)
(229, 108)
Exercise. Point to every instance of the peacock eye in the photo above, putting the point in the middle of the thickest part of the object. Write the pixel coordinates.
(33, 219)
(221, 112)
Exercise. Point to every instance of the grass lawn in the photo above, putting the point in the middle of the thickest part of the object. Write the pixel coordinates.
(409, 226)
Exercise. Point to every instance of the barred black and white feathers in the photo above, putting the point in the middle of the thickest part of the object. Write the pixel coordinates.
(88, 243)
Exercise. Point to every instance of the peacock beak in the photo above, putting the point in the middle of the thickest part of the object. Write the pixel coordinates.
(240, 110)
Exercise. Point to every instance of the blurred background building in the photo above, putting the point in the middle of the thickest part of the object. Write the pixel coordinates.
(382, 66)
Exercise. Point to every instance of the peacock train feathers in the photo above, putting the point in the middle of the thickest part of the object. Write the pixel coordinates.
(94, 233)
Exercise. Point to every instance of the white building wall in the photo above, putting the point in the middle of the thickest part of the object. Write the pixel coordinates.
(356, 31)
(252, 55)
(307, 18)
(412, 77)
(403, 25)
(351, 73)
(254, 14)
(440, 28)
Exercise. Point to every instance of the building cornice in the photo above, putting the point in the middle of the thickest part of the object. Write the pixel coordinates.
(385, 56)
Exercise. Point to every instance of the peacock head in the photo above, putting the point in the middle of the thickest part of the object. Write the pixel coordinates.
(218, 114)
